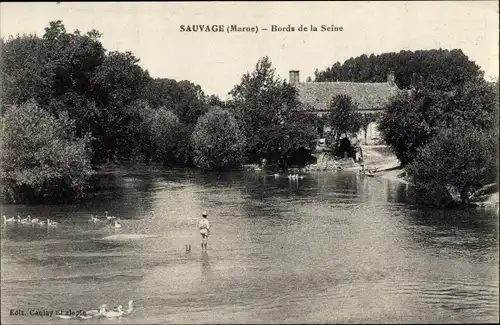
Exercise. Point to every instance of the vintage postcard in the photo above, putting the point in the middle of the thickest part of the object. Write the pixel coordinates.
(249, 162)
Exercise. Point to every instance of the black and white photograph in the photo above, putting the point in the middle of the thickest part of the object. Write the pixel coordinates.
(245, 162)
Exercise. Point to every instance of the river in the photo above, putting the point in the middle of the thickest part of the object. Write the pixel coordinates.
(334, 247)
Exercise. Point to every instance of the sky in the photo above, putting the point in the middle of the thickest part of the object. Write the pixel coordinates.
(217, 60)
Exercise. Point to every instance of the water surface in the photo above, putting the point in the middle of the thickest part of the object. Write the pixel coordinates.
(334, 247)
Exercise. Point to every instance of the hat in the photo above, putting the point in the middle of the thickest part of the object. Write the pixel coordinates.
(204, 213)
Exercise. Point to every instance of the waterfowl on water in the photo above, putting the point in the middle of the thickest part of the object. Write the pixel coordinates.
(36, 220)
(94, 219)
(5, 220)
(114, 313)
(96, 312)
(51, 223)
(116, 224)
(130, 307)
(25, 220)
(109, 217)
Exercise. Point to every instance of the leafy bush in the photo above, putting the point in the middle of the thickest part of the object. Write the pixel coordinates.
(41, 159)
(217, 141)
(343, 117)
(405, 127)
(463, 159)
(411, 119)
(164, 131)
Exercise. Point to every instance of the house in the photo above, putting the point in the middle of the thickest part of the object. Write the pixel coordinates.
(370, 97)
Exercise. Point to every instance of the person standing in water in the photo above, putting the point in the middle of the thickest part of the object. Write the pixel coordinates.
(204, 226)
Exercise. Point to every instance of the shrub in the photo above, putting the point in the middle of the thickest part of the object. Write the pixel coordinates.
(411, 120)
(404, 127)
(217, 141)
(343, 117)
(41, 159)
(461, 159)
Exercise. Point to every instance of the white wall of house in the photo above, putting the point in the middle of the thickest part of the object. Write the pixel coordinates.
(372, 134)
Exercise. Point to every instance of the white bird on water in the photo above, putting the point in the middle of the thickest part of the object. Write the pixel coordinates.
(129, 309)
(114, 313)
(109, 217)
(94, 219)
(5, 220)
(96, 312)
(115, 224)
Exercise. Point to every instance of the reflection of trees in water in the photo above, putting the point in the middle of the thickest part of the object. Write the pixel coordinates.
(473, 230)
(124, 191)
(206, 267)
(397, 192)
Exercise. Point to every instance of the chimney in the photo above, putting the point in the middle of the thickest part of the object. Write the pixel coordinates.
(390, 79)
(294, 78)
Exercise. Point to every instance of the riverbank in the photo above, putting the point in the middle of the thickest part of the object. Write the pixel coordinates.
(378, 160)
(487, 196)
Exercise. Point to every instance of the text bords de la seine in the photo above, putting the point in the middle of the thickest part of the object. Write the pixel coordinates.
(255, 29)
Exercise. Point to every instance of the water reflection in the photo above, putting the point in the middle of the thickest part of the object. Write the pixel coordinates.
(334, 247)
(205, 263)
(464, 233)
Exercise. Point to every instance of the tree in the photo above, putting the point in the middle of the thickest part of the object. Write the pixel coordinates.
(406, 125)
(165, 134)
(410, 120)
(343, 117)
(214, 100)
(217, 141)
(464, 159)
(270, 115)
(474, 103)
(41, 159)
(437, 69)
(70, 73)
(118, 82)
(183, 98)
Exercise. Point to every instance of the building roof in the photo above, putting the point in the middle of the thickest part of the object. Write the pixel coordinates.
(369, 96)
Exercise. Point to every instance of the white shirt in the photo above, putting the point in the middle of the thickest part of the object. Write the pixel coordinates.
(204, 223)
